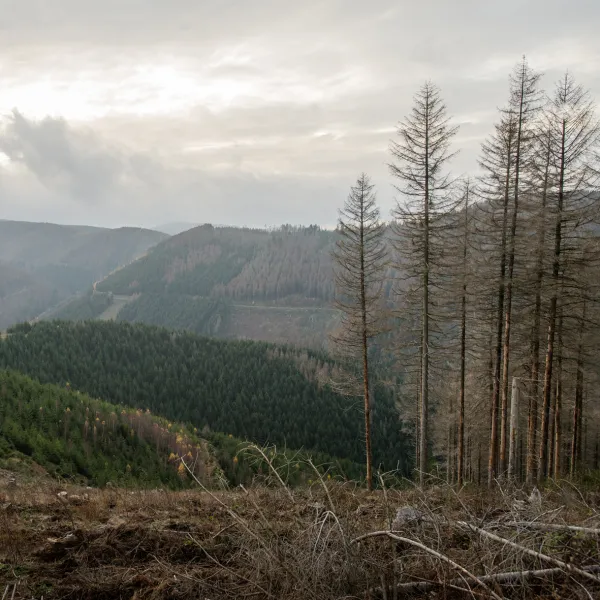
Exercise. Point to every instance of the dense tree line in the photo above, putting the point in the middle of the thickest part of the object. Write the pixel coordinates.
(76, 437)
(200, 315)
(89, 306)
(251, 390)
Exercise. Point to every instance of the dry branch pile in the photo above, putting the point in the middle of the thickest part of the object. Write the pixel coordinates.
(327, 541)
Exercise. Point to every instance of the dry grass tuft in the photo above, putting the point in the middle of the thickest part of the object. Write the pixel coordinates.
(272, 542)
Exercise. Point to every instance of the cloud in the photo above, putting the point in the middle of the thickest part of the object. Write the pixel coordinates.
(79, 178)
(64, 160)
(250, 112)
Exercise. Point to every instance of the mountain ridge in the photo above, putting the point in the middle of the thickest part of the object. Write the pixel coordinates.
(46, 263)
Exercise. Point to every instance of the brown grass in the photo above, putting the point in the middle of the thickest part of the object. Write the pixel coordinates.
(260, 543)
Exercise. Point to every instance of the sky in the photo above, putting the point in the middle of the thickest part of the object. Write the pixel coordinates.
(250, 112)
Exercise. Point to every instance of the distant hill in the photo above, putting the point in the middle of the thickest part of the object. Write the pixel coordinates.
(74, 436)
(227, 282)
(45, 264)
(23, 295)
(254, 391)
(175, 228)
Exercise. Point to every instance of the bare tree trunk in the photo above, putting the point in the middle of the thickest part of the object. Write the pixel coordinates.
(551, 433)
(532, 420)
(463, 347)
(479, 464)
(506, 345)
(509, 282)
(493, 453)
(424, 438)
(418, 422)
(365, 354)
(543, 453)
(576, 433)
(514, 427)
(558, 402)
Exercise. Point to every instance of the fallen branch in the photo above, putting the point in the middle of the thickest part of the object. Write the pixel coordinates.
(511, 577)
(431, 551)
(544, 557)
(552, 527)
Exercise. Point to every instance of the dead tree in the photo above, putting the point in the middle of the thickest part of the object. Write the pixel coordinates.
(360, 264)
(463, 339)
(574, 132)
(495, 187)
(523, 104)
(419, 159)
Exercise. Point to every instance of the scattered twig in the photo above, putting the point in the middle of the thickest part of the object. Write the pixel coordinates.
(323, 484)
(272, 467)
(534, 553)
(431, 551)
(511, 577)
(551, 526)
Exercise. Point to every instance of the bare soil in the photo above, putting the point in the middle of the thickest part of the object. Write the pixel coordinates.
(272, 543)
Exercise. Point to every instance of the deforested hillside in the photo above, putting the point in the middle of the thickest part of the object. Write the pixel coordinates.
(53, 262)
(243, 264)
(254, 391)
(232, 283)
(71, 435)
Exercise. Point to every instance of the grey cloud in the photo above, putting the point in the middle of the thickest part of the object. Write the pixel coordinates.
(266, 157)
(62, 159)
(138, 189)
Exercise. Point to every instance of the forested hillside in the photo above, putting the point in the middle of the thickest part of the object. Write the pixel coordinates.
(46, 264)
(74, 436)
(251, 390)
(242, 264)
(233, 283)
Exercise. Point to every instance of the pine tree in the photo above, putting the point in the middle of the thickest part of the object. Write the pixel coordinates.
(359, 267)
(419, 161)
(574, 134)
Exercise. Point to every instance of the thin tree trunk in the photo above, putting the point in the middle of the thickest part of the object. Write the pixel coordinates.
(509, 283)
(493, 453)
(532, 420)
(365, 353)
(551, 433)
(543, 453)
(463, 349)
(558, 403)
(479, 464)
(423, 454)
(514, 428)
(576, 433)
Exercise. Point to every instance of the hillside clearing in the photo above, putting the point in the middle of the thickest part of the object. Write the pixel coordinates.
(118, 302)
(268, 543)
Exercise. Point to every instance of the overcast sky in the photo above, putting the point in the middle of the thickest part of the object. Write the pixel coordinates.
(248, 112)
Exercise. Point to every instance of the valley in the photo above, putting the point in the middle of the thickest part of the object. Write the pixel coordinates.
(44, 266)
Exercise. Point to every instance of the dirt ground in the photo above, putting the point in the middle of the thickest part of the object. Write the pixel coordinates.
(81, 543)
